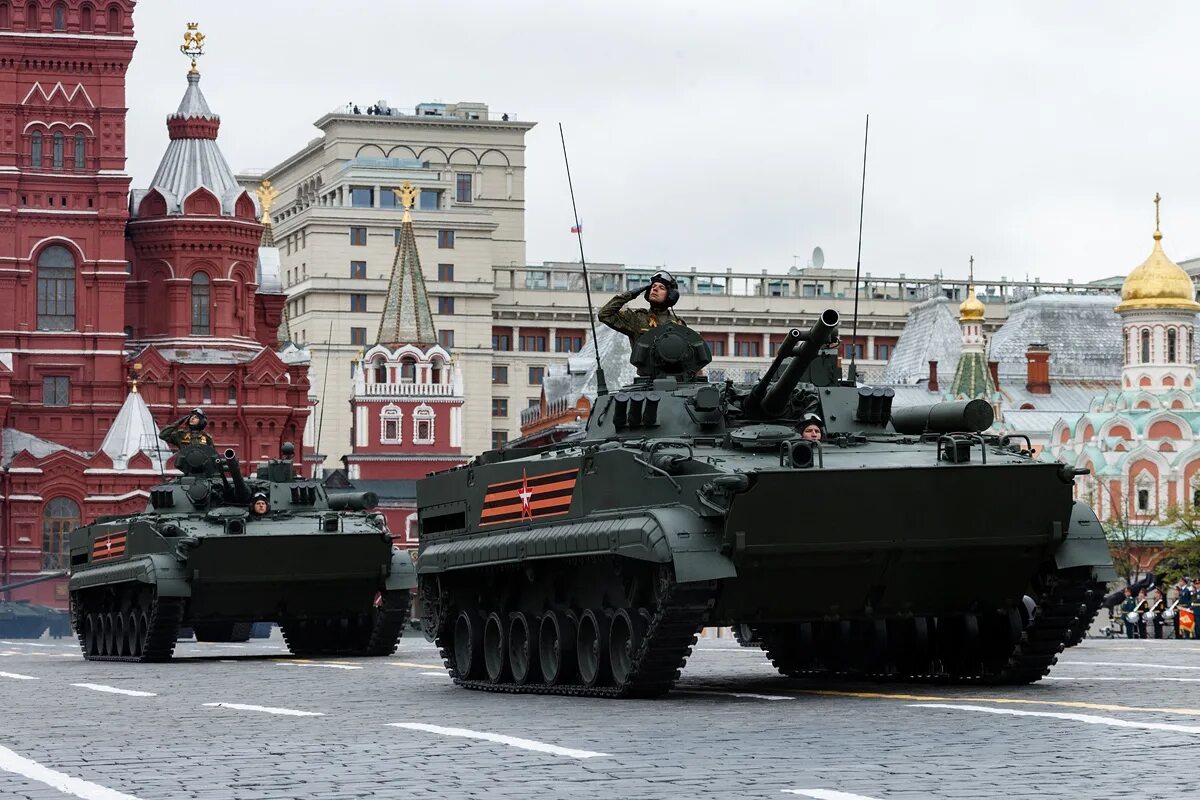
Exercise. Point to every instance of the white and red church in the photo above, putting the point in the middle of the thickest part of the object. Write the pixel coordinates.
(118, 313)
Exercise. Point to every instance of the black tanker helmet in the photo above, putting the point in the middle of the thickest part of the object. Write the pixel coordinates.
(198, 412)
(672, 285)
(811, 419)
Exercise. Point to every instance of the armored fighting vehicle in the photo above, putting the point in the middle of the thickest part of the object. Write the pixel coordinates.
(904, 544)
(22, 619)
(199, 556)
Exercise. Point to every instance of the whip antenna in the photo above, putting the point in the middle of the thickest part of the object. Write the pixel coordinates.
(858, 266)
(324, 388)
(601, 385)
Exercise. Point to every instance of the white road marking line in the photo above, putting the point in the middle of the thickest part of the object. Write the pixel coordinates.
(25, 644)
(227, 660)
(1140, 679)
(315, 664)
(414, 665)
(286, 712)
(1124, 664)
(826, 794)
(747, 695)
(99, 687)
(17, 677)
(511, 741)
(435, 674)
(27, 768)
(1090, 719)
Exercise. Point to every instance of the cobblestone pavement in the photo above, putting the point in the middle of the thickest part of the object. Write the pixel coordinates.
(249, 721)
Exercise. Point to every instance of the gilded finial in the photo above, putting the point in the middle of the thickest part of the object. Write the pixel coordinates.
(407, 194)
(1157, 231)
(193, 44)
(359, 356)
(971, 271)
(132, 380)
(266, 198)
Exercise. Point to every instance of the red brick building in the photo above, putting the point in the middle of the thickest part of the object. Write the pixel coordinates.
(407, 406)
(172, 289)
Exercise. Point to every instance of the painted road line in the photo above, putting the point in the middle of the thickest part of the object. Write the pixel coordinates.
(1090, 719)
(719, 692)
(99, 687)
(17, 677)
(32, 770)
(1123, 664)
(26, 644)
(415, 665)
(434, 674)
(1004, 701)
(1111, 679)
(826, 794)
(286, 712)
(315, 664)
(511, 741)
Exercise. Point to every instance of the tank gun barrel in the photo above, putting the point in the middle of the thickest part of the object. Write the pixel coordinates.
(353, 501)
(786, 347)
(804, 351)
(31, 581)
(235, 474)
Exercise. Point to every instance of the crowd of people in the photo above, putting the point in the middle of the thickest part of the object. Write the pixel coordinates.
(1153, 614)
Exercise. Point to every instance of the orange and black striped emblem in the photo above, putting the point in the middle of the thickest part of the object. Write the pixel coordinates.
(109, 546)
(529, 498)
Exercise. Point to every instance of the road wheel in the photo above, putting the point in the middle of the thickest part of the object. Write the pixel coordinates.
(495, 647)
(468, 644)
(556, 647)
(624, 640)
(522, 653)
(592, 647)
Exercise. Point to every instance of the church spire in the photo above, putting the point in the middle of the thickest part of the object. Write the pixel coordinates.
(406, 315)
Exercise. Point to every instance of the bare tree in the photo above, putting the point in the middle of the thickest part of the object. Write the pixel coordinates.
(1126, 535)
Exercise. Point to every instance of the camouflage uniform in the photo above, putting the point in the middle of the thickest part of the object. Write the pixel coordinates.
(633, 322)
(181, 435)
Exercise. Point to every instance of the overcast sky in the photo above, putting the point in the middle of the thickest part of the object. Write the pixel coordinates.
(1032, 135)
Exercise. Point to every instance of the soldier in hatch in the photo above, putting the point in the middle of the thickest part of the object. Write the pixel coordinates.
(189, 429)
(259, 504)
(662, 293)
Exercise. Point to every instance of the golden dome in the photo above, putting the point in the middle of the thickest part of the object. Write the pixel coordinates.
(1158, 283)
(971, 310)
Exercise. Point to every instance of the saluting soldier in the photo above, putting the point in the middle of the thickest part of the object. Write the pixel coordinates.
(188, 429)
(662, 294)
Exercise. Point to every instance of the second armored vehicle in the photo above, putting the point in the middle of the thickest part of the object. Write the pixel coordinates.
(216, 552)
(896, 544)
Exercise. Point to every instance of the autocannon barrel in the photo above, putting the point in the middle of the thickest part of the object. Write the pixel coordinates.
(785, 349)
(949, 417)
(353, 501)
(235, 474)
(823, 331)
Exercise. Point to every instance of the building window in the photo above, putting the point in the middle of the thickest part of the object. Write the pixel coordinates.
(85, 19)
(502, 342)
(181, 394)
(446, 339)
(1143, 500)
(445, 305)
(568, 343)
(716, 345)
(431, 200)
(56, 289)
(200, 304)
(532, 343)
(499, 407)
(358, 337)
(1171, 346)
(231, 396)
(535, 375)
(751, 349)
(533, 402)
(80, 151)
(114, 19)
(206, 393)
(358, 302)
(462, 188)
(445, 272)
(358, 269)
(1145, 346)
(60, 517)
(56, 391)
(499, 375)
(1196, 498)
(60, 17)
(408, 370)
(854, 351)
(389, 429)
(362, 197)
(387, 197)
(35, 150)
(59, 147)
(5, 16)
(883, 352)
(499, 439)
(423, 425)
(358, 236)
(446, 240)
(33, 20)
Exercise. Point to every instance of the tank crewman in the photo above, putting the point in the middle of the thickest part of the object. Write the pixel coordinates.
(810, 428)
(1128, 605)
(187, 430)
(259, 504)
(662, 294)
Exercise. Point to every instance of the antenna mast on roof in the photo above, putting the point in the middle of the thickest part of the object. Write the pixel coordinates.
(858, 266)
(601, 385)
